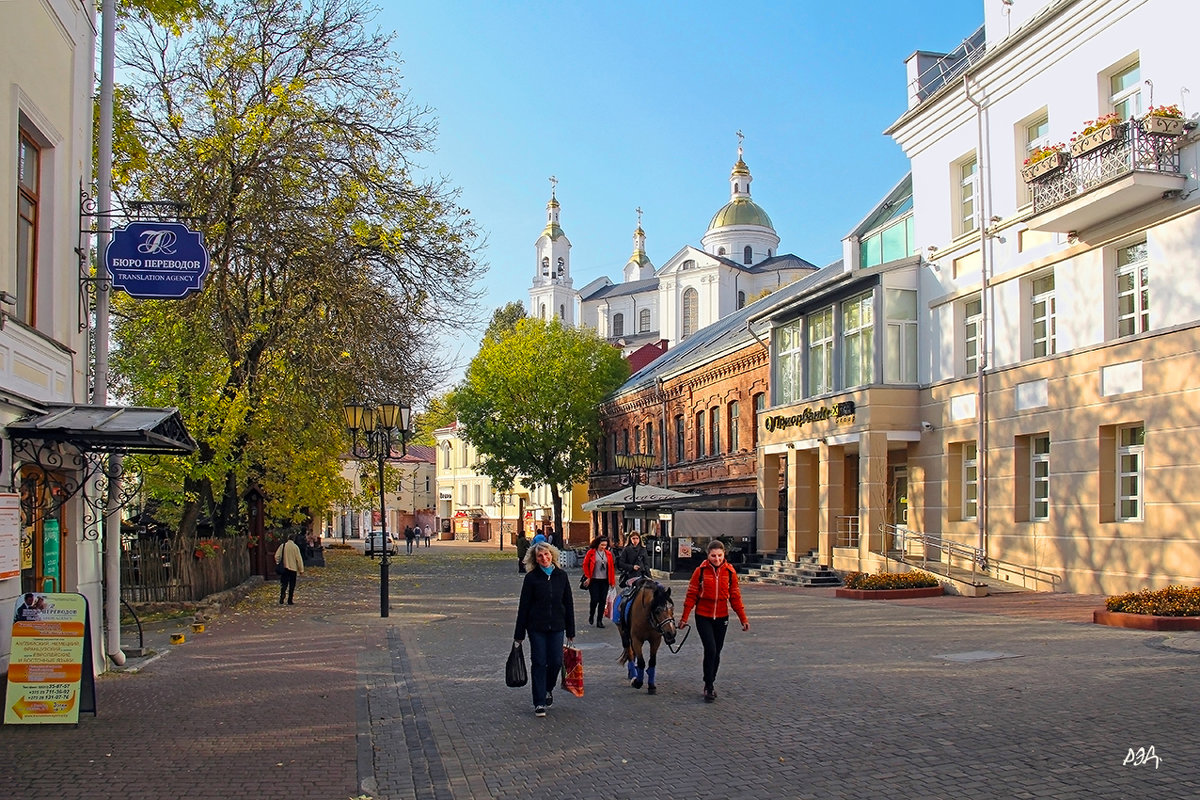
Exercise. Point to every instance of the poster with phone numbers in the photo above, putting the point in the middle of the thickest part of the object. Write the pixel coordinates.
(50, 676)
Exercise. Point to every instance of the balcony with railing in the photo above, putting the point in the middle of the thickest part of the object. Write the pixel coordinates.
(1128, 170)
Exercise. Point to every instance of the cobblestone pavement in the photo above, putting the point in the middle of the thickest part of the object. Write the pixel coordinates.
(823, 698)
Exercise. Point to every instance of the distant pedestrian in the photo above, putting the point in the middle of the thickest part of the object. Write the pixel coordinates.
(428, 532)
(711, 591)
(522, 549)
(409, 538)
(289, 557)
(546, 612)
(599, 572)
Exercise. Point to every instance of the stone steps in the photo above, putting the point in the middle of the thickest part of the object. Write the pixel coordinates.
(776, 569)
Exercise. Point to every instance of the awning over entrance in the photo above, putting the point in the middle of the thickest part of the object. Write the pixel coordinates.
(640, 495)
(112, 429)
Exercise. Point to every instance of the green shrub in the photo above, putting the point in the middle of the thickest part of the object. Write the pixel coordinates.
(889, 580)
(1173, 601)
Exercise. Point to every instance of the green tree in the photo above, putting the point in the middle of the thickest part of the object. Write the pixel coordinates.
(530, 405)
(276, 124)
(504, 320)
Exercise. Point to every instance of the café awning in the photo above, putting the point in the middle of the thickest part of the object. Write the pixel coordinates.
(642, 495)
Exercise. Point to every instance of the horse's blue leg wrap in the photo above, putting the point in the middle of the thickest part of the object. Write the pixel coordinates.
(632, 669)
(650, 676)
(641, 673)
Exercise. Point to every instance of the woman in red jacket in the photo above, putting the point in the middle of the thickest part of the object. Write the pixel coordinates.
(712, 589)
(599, 572)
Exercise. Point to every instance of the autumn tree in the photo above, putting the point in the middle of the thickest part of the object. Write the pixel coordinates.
(279, 128)
(530, 405)
(504, 320)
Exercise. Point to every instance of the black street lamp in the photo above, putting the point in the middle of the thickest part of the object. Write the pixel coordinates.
(381, 426)
(637, 465)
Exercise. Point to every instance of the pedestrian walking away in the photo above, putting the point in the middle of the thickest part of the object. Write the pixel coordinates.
(633, 562)
(409, 538)
(289, 557)
(546, 613)
(599, 572)
(522, 549)
(427, 532)
(712, 589)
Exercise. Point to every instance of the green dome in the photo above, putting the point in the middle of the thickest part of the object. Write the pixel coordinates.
(741, 211)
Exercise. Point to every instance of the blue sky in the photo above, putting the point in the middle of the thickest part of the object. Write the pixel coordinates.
(637, 104)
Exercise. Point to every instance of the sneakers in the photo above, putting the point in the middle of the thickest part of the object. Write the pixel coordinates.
(549, 698)
(710, 694)
(539, 711)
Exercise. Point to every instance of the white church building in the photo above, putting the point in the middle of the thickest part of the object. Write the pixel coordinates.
(737, 261)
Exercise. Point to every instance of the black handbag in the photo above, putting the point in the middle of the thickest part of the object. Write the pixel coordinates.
(583, 582)
(279, 569)
(515, 674)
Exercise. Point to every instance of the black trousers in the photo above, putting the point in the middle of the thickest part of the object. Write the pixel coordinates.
(599, 597)
(287, 585)
(712, 636)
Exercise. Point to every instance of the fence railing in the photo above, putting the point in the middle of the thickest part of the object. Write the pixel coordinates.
(940, 555)
(179, 570)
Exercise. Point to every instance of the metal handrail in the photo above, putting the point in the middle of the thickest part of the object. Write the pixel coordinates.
(980, 562)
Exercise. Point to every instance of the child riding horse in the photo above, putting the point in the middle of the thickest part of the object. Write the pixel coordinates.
(649, 617)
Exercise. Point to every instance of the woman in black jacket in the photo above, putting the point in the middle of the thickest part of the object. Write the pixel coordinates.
(546, 613)
(633, 562)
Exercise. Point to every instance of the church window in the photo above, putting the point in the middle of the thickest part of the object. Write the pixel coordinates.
(543, 311)
(618, 326)
(689, 264)
(691, 312)
(562, 312)
(747, 255)
(644, 321)
(561, 266)
(546, 266)
(741, 299)
(720, 251)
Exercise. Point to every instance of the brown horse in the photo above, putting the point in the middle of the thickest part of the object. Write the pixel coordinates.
(650, 618)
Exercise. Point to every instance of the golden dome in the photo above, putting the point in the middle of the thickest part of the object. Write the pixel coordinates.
(741, 211)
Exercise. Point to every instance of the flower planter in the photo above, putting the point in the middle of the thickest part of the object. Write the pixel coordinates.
(1094, 140)
(889, 594)
(1145, 622)
(1163, 126)
(1043, 166)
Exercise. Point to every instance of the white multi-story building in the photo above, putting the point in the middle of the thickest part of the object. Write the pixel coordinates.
(737, 261)
(1049, 420)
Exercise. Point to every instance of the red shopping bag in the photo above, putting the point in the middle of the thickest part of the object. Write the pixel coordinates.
(572, 672)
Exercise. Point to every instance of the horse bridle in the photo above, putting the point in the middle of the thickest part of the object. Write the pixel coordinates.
(660, 626)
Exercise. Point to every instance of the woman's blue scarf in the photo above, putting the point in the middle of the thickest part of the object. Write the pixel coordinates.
(548, 569)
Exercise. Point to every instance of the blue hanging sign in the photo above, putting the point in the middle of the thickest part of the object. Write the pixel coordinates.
(157, 260)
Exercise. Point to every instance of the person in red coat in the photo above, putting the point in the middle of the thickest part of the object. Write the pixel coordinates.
(711, 591)
(599, 572)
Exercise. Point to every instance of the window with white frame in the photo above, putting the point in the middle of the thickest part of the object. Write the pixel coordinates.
(644, 321)
(1125, 91)
(462, 495)
(789, 362)
(1036, 134)
(967, 195)
(733, 426)
(29, 167)
(1131, 465)
(1039, 477)
(1133, 290)
(972, 334)
(1043, 314)
(820, 352)
(747, 255)
(691, 312)
(618, 325)
(741, 299)
(858, 340)
(760, 404)
(446, 455)
(970, 480)
(476, 491)
(900, 354)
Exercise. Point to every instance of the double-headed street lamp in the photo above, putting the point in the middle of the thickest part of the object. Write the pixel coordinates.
(381, 426)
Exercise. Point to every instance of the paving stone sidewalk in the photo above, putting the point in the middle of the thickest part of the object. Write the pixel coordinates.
(823, 698)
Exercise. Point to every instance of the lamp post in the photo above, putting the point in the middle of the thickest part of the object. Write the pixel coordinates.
(501, 496)
(635, 464)
(381, 426)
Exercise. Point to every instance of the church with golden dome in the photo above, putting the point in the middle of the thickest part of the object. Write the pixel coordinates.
(738, 260)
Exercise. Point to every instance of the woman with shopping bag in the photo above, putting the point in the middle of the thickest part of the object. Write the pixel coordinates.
(599, 572)
(547, 613)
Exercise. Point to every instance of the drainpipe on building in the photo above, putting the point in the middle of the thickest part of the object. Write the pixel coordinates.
(112, 519)
(985, 343)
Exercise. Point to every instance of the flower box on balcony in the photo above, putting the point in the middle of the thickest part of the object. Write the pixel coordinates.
(1043, 166)
(1163, 126)
(1094, 140)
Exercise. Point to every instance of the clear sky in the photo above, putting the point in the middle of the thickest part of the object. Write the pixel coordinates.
(636, 104)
